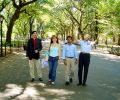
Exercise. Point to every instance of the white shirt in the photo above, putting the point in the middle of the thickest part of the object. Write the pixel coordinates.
(86, 46)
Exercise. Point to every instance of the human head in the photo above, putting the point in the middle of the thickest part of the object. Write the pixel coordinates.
(86, 37)
(69, 39)
(34, 34)
(54, 39)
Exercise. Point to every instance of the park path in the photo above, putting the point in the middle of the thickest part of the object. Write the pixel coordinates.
(103, 80)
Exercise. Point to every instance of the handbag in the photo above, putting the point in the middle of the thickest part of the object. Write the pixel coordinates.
(44, 63)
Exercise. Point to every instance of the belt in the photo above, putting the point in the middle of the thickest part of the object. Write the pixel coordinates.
(69, 57)
(84, 53)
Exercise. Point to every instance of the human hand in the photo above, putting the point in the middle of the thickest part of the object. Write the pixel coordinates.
(58, 61)
(36, 51)
(76, 61)
(65, 62)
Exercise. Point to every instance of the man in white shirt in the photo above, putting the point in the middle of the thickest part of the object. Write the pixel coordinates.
(84, 59)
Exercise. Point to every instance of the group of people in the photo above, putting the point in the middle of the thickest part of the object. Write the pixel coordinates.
(69, 55)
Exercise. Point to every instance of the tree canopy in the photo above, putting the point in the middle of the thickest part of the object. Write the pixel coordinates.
(99, 18)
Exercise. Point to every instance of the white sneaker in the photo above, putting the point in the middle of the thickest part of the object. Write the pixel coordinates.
(52, 83)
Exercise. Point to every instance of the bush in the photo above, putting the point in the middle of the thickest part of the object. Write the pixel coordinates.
(114, 50)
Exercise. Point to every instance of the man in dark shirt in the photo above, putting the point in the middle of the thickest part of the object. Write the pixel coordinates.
(34, 46)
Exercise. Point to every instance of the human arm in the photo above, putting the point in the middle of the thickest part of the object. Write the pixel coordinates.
(77, 43)
(94, 42)
(28, 50)
(59, 51)
(38, 46)
(75, 51)
(63, 56)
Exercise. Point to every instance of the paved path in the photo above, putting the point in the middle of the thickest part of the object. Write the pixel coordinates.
(103, 80)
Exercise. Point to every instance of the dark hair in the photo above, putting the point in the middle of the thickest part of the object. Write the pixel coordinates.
(51, 41)
(33, 32)
(69, 37)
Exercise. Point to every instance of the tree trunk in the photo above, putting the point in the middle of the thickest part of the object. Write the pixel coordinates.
(15, 17)
(114, 39)
(64, 35)
(106, 41)
(119, 39)
(31, 21)
(96, 26)
(80, 32)
(11, 24)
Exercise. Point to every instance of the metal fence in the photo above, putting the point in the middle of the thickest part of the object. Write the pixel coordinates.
(10, 48)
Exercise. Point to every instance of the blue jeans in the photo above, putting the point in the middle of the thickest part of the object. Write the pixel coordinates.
(53, 62)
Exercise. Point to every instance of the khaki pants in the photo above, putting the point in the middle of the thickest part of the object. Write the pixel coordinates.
(35, 63)
(70, 68)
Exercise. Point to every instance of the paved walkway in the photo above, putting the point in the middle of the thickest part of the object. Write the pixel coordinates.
(103, 80)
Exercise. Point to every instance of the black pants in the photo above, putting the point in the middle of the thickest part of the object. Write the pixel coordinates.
(84, 61)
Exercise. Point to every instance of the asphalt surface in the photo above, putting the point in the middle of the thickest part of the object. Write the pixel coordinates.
(103, 81)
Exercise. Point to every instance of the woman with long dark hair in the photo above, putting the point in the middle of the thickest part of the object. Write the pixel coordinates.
(54, 56)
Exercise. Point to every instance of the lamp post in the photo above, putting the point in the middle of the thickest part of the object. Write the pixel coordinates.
(1, 21)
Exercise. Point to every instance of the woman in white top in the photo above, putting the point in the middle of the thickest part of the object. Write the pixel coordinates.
(54, 56)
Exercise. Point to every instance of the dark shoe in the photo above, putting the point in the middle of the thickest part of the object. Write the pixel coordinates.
(32, 80)
(40, 79)
(71, 80)
(49, 80)
(67, 83)
(79, 84)
(84, 84)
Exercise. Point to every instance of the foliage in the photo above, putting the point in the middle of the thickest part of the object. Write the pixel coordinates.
(64, 16)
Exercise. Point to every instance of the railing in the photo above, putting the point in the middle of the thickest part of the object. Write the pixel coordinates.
(8, 49)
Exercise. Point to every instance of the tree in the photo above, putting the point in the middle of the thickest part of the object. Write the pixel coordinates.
(117, 20)
(19, 8)
(80, 12)
(3, 4)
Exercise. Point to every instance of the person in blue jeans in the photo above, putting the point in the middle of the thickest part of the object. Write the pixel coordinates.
(54, 56)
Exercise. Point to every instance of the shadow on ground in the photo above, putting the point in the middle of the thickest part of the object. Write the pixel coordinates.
(103, 81)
